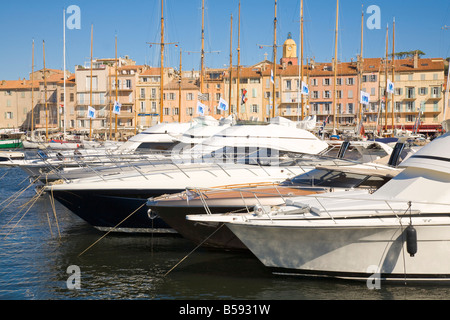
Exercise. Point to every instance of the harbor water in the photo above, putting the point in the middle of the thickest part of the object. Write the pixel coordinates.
(43, 246)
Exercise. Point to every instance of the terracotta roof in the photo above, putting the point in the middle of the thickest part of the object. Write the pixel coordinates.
(69, 80)
(151, 72)
(56, 77)
(133, 67)
(17, 84)
(186, 84)
(404, 65)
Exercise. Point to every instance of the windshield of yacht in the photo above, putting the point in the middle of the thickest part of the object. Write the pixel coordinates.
(336, 179)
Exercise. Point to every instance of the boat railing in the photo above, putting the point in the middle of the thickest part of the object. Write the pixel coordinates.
(398, 208)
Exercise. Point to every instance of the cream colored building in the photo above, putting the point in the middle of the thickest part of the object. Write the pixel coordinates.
(16, 103)
(419, 92)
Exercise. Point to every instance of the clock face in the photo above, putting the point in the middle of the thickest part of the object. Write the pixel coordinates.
(289, 48)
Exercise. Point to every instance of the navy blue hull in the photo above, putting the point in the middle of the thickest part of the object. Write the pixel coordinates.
(116, 210)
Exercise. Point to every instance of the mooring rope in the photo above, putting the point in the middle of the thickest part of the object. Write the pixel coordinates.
(185, 257)
(35, 197)
(112, 229)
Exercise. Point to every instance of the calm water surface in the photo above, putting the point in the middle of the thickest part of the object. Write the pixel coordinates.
(38, 244)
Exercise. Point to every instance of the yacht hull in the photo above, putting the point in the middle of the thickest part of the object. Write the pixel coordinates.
(174, 209)
(352, 251)
(114, 210)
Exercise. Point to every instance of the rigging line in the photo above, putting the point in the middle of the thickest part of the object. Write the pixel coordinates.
(23, 206)
(17, 194)
(5, 173)
(185, 257)
(52, 201)
(112, 229)
(36, 198)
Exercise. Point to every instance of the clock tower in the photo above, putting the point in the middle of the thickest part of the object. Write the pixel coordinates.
(289, 52)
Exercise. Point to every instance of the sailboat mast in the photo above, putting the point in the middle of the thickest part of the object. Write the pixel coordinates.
(385, 82)
(179, 90)
(92, 44)
(231, 63)
(64, 71)
(117, 91)
(274, 60)
(301, 57)
(32, 91)
(335, 66)
(162, 64)
(360, 72)
(202, 54)
(238, 103)
(45, 95)
(393, 75)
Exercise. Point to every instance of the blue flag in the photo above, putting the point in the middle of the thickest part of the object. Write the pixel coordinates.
(223, 105)
(91, 112)
(201, 108)
(117, 107)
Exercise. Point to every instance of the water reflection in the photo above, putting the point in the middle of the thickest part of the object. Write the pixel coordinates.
(36, 251)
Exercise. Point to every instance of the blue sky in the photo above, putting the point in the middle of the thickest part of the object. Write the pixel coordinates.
(137, 22)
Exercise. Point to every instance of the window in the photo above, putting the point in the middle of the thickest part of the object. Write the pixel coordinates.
(398, 91)
(94, 83)
(373, 78)
(153, 106)
(171, 96)
(410, 93)
(350, 93)
(397, 106)
(364, 79)
(254, 80)
(189, 111)
(142, 93)
(350, 81)
(350, 107)
(72, 97)
(326, 94)
(372, 91)
(338, 94)
(314, 82)
(338, 81)
(315, 94)
(8, 115)
(217, 96)
(189, 96)
(142, 106)
(409, 118)
(288, 85)
(326, 81)
(435, 92)
(255, 108)
(128, 84)
(176, 111)
(166, 111)
(422, 91)
(410, 106)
